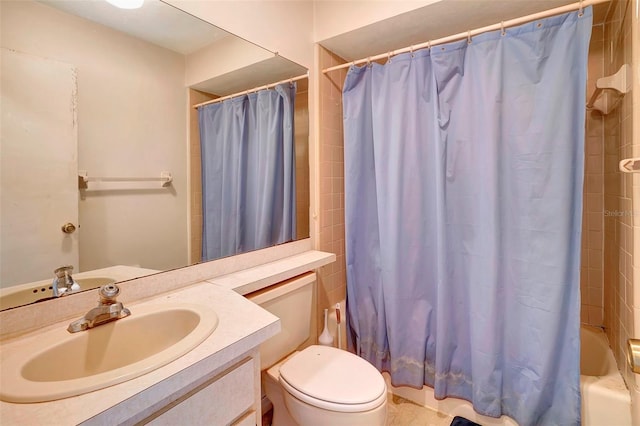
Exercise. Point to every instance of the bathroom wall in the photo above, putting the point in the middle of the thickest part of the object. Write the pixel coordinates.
(195, 177)
(205, 64)
(618, 193)
(607, 271)
(634, 39)
(285, 27)
(333, 18)
(131, 101)
(332, 279)
(591, 271)
(301, 137)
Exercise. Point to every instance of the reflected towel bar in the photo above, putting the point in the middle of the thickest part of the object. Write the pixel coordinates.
(165, 178)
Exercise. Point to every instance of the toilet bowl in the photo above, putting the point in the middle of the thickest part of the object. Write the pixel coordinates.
(318, 385)
(322, 385)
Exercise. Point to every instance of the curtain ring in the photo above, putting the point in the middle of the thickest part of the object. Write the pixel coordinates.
(411, 51)
(389, 56)
(369, 60)
(502, 31)
(580, 13)
(429, 44)
(469, 37)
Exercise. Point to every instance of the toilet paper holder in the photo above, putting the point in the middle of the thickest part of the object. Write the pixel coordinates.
(633, 355)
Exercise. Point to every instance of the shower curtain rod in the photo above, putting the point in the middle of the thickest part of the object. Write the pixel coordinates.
(469, 34)
(255, 89)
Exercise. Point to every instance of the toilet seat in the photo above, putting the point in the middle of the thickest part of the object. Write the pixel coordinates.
(333, 379)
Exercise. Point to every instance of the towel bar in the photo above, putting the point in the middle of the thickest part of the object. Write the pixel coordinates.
(165, 178)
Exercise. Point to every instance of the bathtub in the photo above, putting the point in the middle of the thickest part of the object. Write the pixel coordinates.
(605, 398)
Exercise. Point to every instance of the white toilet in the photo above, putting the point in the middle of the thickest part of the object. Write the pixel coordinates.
(318, 385)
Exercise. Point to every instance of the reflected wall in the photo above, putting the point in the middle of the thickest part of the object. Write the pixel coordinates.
(131, 102)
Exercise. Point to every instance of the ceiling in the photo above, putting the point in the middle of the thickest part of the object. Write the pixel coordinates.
(155, 22)
(166, 26)
(437, 20)
(158, 23)
(258, 74)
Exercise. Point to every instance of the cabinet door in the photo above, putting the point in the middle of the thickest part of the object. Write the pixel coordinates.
(217, 402)
(248, 419)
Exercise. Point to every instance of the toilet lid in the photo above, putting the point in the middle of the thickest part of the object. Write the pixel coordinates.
(333, 375)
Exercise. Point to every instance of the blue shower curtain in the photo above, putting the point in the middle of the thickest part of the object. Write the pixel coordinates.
(248, 172)
(463, 201)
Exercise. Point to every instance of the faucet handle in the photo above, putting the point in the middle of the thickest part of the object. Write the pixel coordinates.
(108, 293)
(63, 270)
(107, 310)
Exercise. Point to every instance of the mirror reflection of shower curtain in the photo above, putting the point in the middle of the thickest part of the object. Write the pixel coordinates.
(463, 204)
(248, 172)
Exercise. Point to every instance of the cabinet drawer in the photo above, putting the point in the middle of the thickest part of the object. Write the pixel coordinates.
(217, 402)
(248, 419)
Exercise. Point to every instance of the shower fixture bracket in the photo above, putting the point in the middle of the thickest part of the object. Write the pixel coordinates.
(610, 90)
(630, 165)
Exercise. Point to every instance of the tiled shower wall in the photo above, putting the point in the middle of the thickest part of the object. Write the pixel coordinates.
(591, 266)
(195, 176)
(301, 128)
(332, 279)
(618, 189)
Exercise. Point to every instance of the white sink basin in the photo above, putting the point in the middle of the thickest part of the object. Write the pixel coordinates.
(25, 294)
(59, 364)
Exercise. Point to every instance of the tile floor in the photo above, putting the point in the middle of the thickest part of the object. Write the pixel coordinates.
(402, 412)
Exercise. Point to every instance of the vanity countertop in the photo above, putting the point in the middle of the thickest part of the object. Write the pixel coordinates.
(267, 274)
(242, 327)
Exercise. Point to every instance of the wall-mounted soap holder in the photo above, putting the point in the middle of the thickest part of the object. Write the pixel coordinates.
(630, 165)
(610, 90)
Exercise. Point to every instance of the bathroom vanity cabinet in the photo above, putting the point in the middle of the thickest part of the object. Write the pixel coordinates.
(227, 395)
(217, 382)
(225, 398)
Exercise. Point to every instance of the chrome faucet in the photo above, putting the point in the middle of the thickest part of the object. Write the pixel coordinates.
(108, 309)
(63, 283)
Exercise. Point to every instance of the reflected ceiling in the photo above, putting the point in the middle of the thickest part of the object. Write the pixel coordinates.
(150, 23)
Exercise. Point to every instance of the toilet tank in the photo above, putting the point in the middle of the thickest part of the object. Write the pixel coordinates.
(291, 302)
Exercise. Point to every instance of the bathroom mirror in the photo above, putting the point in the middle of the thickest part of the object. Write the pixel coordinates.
(132, 77)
